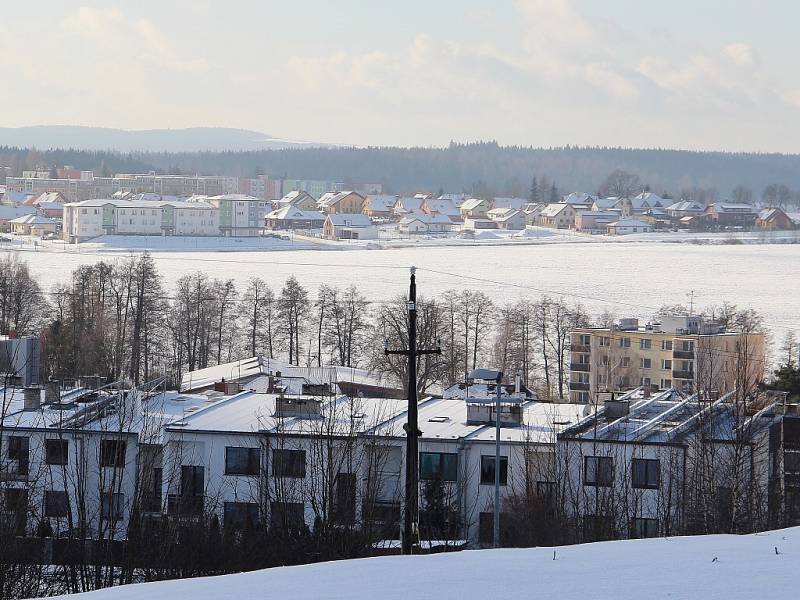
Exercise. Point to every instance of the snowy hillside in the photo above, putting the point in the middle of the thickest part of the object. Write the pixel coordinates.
(712, 567)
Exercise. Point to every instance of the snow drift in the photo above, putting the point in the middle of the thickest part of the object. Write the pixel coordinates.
(712, 567)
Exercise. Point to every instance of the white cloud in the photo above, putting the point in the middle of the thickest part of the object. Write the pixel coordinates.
(741, 54)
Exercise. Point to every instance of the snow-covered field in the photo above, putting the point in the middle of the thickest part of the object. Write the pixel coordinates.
(718, 567)
(628, 278)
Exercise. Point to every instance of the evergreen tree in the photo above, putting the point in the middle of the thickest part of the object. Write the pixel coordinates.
(534, 193)
(554, 193)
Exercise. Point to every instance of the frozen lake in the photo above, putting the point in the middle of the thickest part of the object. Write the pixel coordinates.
(627, 278)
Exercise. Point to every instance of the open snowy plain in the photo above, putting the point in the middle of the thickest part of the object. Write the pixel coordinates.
(632, 278)
(715, 567)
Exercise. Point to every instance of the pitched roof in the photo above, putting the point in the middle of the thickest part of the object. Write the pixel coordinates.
(443, 206)
(33, 220)
(381, 202)
(516, 203)
(472, 203)
(553, 209)
(349, 220)
(686, 205)
(292, 213)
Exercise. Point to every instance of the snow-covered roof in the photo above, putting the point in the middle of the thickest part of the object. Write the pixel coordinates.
(686, 206)
(502, 202)
(349, 220)
(422, 217)
(292, 213)
(236, 197)
(381, 202)
(295, 197)
(629, 223)
(444, 206)
(579, 198)
(650, 198)
(553, 209)
(12, 212)
(179, 204)
(603, 203)
(732, 207)
(471, 203)
(332, 198)
(32, 220)
(408, 204)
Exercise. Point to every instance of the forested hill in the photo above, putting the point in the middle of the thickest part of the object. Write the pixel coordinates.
(479, 167)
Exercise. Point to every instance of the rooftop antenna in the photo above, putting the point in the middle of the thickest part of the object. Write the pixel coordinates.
(691, 302)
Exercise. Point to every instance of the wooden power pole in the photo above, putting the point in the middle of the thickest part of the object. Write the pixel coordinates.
(411, 509)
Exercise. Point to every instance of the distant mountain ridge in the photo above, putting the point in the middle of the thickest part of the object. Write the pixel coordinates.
(192, 139)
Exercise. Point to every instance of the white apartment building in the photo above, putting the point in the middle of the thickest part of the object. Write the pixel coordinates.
(92, 218)
(240, 215)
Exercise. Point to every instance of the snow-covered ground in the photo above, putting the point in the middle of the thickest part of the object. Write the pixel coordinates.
(718, 567)
(627, 278)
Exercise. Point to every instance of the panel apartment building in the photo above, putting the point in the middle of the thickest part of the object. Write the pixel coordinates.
(682, 352)
(89, 187)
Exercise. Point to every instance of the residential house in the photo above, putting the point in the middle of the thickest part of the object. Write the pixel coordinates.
(610, 203)
(595, 221)
(420, 222)
(532, 211)
(774, 219)
(729, 214)
(681, 352)
(9, 213)
(379, 206)
(557, 215)
(291, 217)
(35, 225)
(627, 226)
(477, 223)
(49, 204)
(345, 226)
(299, 199)
(475, 208)
(341, 202)
(406, 205)
(685, 208)
(441, 206)
(663, 464)
(508, 218)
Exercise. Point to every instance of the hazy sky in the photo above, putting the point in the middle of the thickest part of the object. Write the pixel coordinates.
(684, 73)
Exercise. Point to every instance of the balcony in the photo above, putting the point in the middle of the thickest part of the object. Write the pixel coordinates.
(683, 375)
(579, 387)
(580, 348)
(579, 367)
(683, 354)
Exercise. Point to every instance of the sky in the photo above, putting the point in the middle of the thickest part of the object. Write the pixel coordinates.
(697, 74)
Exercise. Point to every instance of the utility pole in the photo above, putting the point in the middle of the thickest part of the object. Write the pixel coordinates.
(411, 512)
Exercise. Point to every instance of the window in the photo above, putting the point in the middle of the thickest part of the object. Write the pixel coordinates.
(598, 471)
(666, 384)
(645, 473)
(687, 365)
(240, 515)
(112, 453)
(666, 364)
(15, 511)
(625, 342)
(687, 346)
(192, 480)
(644, 528)
(791, 461)
(242, 461)
(584, 359)
(19, 450)
(113, 506)
(666, 344)
(625, 362)
(645, 363)
(289, 463)
(56, 504)
(433, 465)
(582, 377)
(645, 344)
(56, 452)
(585, 340)
(344, 506)
(487, 470)
(287, 515)
(644, 381)
(605, 341)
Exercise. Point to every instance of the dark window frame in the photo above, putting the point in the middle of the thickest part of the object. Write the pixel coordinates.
(56, 499)
(56, 451)
(446, 466)
(644, 527)
(487, 469)
(645, 473)
(249, 467)
(113, 453)
(599, 469)
(295, 468)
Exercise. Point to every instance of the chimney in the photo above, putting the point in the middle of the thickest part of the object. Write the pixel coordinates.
(32, 398)
(518, 383)
(616, 409)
